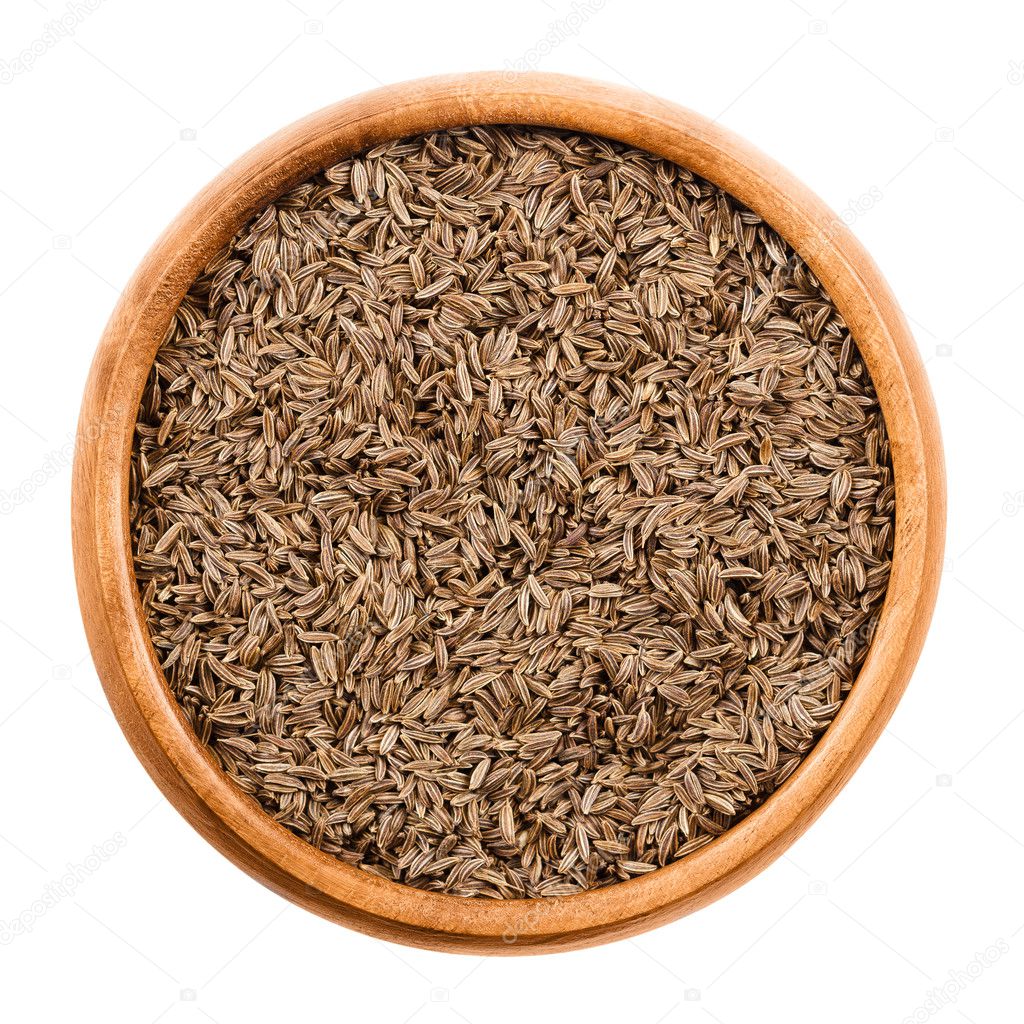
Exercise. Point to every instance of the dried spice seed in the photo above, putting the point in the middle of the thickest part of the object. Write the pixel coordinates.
(511, 511)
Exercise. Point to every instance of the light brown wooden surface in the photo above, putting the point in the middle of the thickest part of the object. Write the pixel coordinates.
(134, 683)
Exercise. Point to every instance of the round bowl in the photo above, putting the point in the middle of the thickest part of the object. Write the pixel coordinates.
(158, 730)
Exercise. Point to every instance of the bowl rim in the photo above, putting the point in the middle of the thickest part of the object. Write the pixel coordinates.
(125, 658)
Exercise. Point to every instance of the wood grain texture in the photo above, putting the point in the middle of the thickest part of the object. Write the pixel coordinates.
(157, 729)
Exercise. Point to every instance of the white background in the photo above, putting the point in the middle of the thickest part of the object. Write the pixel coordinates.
(906, 119)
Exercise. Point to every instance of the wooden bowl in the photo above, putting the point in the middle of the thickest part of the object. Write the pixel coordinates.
(135, 685)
